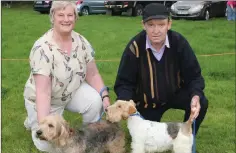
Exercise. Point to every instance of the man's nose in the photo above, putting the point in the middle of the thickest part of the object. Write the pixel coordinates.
(156, 29)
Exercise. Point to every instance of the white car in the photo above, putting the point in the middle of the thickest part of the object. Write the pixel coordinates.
(198, 9)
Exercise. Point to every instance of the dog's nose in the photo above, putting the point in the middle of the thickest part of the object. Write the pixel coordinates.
(105, 109)
(39, 132)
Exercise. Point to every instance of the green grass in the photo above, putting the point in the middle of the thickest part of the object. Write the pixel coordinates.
(109, 35)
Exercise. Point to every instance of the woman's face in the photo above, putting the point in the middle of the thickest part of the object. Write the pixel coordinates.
(64, 20)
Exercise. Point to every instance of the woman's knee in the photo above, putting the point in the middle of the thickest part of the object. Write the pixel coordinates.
(96, 102)
(85, 98)
(92, 114)
(40, 144)
(88, 102)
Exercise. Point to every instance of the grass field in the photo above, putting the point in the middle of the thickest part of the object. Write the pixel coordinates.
(109, 35)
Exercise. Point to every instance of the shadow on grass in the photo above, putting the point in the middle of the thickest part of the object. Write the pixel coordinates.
(4, 92)
(221, 75)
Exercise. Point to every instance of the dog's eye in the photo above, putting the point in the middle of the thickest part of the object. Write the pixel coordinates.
(50, 125)
(119, 106)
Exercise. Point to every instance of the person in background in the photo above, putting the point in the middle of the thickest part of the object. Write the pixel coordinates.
(231, 10)
(7, 4)
(63, 74)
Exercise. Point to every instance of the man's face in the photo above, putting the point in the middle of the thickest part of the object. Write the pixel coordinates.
(157, 29)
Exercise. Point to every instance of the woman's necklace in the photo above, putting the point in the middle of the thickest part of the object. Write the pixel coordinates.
(62, 45)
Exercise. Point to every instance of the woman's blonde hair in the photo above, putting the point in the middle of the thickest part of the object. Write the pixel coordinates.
(58, 5)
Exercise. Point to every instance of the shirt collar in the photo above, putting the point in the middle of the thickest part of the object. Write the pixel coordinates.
(148, 43)
(49, 35)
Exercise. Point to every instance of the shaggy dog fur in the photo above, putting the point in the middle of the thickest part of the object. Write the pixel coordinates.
(96, 137)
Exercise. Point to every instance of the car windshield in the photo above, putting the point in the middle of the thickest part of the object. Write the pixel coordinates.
(189, 2)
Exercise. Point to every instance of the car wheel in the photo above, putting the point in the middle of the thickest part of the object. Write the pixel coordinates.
(116, 13)
(43, 12)
(108, 12)
(85, 11)
(138, 10)
(206, 15)
(174, 18)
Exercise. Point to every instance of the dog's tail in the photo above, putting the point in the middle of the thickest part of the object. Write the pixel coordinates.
(188, 124)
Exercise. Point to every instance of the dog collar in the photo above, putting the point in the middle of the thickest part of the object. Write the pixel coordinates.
(137, 114)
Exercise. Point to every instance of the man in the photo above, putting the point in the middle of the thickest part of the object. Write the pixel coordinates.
(159, 70)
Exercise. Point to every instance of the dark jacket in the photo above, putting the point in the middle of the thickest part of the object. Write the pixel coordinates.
(150, 82)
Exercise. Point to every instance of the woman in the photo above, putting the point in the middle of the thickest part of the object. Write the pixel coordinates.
(63, 74)
(231, 10)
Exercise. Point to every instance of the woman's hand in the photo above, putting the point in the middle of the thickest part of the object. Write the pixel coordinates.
(94, 79)
(106, 103)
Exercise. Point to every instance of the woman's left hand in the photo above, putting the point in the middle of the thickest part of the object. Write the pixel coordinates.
(106, 102)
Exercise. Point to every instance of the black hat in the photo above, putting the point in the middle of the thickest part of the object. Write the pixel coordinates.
(155, 11)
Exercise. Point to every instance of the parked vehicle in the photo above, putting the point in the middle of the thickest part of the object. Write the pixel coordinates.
(6, 4)
(86, 7)
(133, 8)
(42, 6)
(198, 9)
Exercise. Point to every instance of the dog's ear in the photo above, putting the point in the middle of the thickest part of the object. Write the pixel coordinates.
(132, 109)
(64, 134)
(132, 102)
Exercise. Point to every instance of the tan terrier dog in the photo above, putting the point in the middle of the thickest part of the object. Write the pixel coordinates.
(96, 137)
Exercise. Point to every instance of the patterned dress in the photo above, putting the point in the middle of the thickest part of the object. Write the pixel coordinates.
(67, 72)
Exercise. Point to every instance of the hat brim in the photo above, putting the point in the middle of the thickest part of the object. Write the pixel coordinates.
(156, 17)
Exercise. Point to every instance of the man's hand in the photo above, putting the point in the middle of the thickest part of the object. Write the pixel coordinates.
(195, 106)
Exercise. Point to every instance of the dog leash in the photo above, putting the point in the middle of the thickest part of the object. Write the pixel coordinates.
(137, 114)
(194, 137)
(101, 116)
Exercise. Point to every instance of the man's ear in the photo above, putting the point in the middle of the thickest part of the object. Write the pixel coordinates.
(169, 24)
(143, 25)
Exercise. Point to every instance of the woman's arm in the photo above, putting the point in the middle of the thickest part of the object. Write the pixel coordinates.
(43, 95)
(94, 79)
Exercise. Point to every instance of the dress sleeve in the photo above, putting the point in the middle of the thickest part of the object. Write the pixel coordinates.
(89, 51)
(40, 60)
